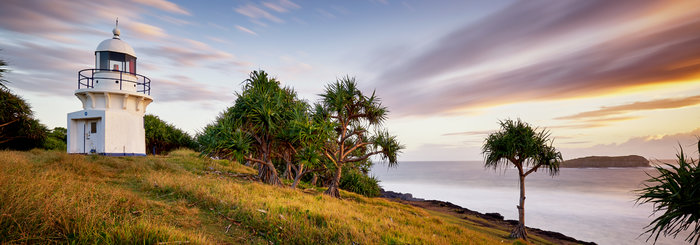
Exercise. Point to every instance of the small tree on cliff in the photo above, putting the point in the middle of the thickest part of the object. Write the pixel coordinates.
(521, 145)
(352, 112)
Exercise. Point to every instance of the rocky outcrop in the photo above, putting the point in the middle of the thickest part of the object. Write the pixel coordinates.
(631, 161)
(399, 195)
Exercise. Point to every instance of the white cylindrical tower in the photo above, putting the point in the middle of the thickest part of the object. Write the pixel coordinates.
(114, 99)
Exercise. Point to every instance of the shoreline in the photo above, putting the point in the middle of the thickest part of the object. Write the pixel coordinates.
(467, 214)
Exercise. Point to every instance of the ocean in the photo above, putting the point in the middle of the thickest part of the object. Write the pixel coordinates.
(589, 204)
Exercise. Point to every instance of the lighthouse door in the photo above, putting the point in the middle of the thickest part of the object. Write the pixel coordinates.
(90, 136)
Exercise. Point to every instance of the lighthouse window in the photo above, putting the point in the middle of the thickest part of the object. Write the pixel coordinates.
(103, 58)
(130, 64)
(116, 61)
(93, 127)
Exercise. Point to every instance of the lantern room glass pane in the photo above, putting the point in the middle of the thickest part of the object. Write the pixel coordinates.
(103, 60)
(130, 64)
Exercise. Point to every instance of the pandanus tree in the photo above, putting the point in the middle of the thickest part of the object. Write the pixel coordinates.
(249, 130)
(352, 113)
(675, 192)
(302, 142)
(520, 145)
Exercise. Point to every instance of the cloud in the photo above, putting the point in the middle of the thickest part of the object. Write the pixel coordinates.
(326, 14)
(484, 132)
(164, 5)
(43, 69)
(650, 146)
(543, 50)
(144, 31)
(281, 6)
(254, 12)
(246, 30)
(668, 103)
(183, 88)
(594, 122)
(186, 55)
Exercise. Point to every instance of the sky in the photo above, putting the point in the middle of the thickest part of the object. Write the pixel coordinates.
(604, 77)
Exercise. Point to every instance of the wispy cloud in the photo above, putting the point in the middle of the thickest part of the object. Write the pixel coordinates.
(594, 122)
(246, 30)
(143, 31)
(184, 88)
(281, 6)
(325, 13)
(254, 12)
(474, 68)
(183, 55)
(484, 132)
(668, 103)
(164, 5)
(260, 13)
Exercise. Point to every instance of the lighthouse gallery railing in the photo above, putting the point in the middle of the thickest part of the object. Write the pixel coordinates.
(86, 79)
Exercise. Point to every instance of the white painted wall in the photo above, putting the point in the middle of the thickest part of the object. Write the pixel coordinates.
(120, 125)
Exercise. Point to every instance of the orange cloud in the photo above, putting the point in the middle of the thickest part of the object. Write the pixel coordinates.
(670, 103)
(164, 5)
(597, 64)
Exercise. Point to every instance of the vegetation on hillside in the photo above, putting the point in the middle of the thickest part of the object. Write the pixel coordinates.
(54, 197)
(521, 145)
(162, 137)
(675, 193)
(18, 128)
(270, 127)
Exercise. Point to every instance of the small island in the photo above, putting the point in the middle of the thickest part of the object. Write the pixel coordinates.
(631, 161)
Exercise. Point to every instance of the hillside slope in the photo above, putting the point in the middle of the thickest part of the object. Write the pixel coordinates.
(53, 197)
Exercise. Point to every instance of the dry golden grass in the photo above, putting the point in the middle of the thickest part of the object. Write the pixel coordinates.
(53, 197)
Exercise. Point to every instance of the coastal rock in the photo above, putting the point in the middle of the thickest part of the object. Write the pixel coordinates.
(631, 161)
(399, 195)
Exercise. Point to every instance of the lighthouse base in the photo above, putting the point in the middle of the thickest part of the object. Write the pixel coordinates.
(106, 132)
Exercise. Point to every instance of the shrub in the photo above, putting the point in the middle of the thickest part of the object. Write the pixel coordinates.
(56, 139)
(18, 128)
(162, 137)
(355, 181)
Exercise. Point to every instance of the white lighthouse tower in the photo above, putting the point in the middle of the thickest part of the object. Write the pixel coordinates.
(114, 99)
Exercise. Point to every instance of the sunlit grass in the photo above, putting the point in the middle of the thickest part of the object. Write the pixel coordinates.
(48, 196)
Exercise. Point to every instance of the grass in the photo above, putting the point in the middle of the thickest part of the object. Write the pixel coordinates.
(54, 197)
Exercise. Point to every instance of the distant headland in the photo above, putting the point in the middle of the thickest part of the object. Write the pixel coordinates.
(631, 161)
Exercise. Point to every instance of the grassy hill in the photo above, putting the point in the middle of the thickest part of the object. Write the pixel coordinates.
(54, 197)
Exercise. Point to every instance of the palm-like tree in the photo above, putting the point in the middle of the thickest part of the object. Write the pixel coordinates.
(302, 142)
(524, 147)
(250, 129)
(675, 192)
(352, 112)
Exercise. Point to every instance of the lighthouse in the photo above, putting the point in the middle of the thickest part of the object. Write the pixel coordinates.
(114, 99)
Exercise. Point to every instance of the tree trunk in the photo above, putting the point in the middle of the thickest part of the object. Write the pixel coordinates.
(314, 179)
(519, 231)
(300, 172)
(333, 189)
(287, 171)
(268, 174)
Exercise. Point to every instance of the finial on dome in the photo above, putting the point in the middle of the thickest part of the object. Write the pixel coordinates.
(115, 31)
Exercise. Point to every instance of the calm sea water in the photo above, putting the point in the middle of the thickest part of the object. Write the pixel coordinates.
(587, 204)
